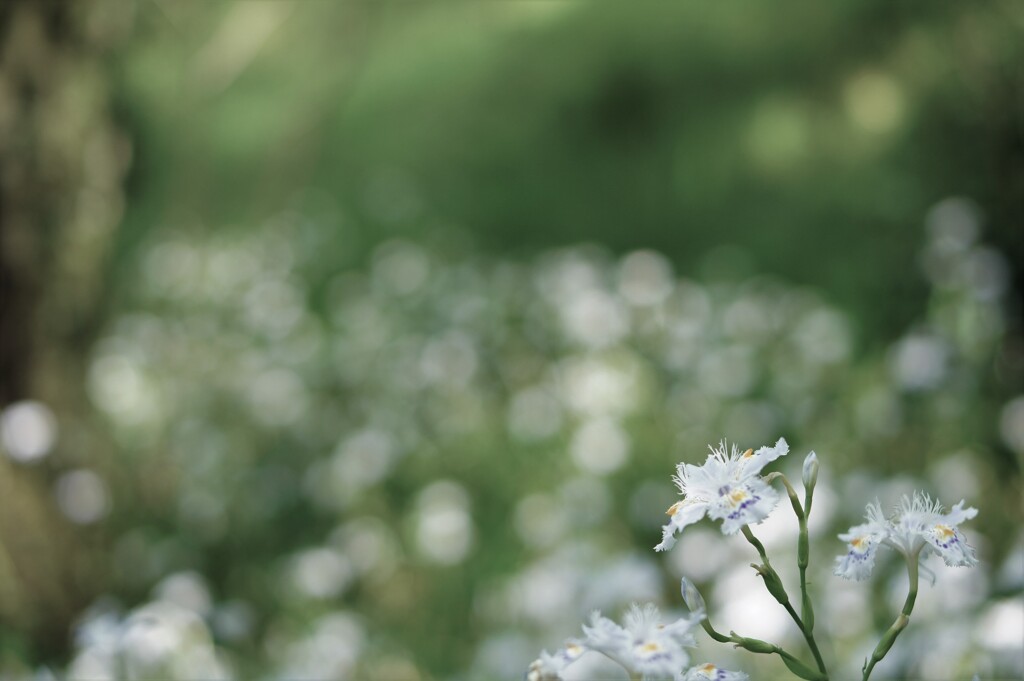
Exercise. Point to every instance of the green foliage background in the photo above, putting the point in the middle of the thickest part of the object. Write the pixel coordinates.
(782, 155)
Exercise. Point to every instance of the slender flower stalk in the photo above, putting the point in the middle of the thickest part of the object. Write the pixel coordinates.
(695, 602)
(902, 620)
(806, 619)
(810, 480)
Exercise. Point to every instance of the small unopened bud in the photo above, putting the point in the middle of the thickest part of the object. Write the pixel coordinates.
(772, 582)
(753, 645)
(803, 551)
(810, 472)
(694, 601)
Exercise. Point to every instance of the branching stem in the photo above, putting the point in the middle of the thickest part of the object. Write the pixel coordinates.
(778, 591)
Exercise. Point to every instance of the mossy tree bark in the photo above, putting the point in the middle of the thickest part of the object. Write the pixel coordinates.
(62, 163)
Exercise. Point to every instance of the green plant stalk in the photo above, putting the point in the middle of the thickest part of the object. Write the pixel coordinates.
(774, 585)
(902, 620)
(721, 638)
(808, 498)
(803, 558)
(802, 561)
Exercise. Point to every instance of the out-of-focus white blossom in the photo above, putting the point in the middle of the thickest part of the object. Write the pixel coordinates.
(644, 645)
(160, 639)
(549, 667)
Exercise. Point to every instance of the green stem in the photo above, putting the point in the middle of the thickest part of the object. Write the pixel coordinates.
(764, 648)
(802, 561)
(889, 637)
(774, 583)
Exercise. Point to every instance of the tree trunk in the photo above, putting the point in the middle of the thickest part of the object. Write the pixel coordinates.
(62, 163)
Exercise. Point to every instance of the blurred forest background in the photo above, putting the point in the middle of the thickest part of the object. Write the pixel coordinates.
(360, 339)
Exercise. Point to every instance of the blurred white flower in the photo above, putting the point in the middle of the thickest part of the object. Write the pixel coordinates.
(917, 529)
(28, 430)
(82, 496)
(709, 672)
(645, 278)
(320, 573)
(600, 446)
(727, 487)
(534, 414)
(919, 362)
(185, 589)
(1011, 424)
(549, 667)
(157, 640)
(644, 645)
(330, 651)
(444, 526)
(594, 319)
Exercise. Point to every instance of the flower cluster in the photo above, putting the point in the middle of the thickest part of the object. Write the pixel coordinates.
(729, 487)
(917, 528)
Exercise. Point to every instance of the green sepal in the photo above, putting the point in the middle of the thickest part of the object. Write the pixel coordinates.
(773, 583)
(807, 612)
(800, 669)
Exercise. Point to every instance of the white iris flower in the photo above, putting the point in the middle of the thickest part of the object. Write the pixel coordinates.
(644, 645)
(709, 672)
(728, 487)
(549, 667)
(917, 528)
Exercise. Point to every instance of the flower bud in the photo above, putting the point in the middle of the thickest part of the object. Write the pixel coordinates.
(754, 645)
(810, 472)
(694, 601)
(772, 582)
